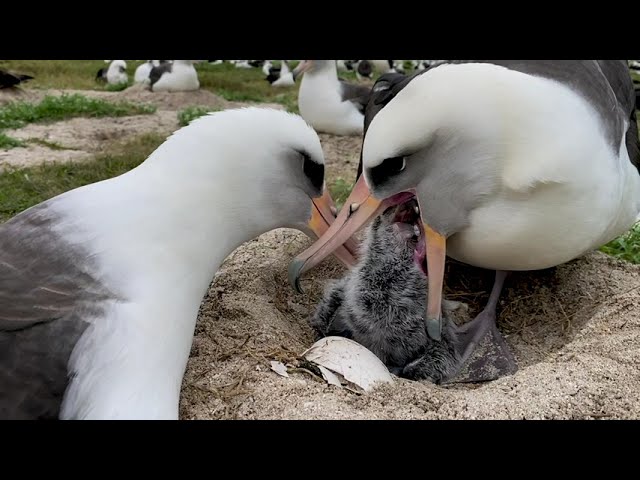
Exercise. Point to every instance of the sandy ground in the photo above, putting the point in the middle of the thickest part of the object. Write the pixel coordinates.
(575, 330)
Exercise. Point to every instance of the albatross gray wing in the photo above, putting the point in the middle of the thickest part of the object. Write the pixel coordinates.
(158, 71)
(357, 94)
(47, 299)
(10, 79)
(606, 84)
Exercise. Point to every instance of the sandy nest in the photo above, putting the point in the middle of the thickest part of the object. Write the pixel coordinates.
(575, 329)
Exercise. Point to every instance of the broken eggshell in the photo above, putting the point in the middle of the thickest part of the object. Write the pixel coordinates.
(349, 359)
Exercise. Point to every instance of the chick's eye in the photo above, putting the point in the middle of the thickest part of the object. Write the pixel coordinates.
(313, 171)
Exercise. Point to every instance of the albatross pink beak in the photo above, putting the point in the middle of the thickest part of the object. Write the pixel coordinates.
(359, 209)
(302, 67)
(322, 216)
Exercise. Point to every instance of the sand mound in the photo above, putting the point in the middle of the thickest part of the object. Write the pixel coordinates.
(575, 331)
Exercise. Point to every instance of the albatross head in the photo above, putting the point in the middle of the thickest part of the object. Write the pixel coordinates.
(118, 66)
(314, 66)
(256, 169)
(435, 141)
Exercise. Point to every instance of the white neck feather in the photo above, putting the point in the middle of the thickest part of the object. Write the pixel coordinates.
(160, 232)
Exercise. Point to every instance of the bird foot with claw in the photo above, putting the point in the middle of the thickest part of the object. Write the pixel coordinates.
(486, 355)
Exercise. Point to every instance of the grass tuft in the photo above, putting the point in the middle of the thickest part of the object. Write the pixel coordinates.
(18, 114)
(625, 247)
(22, 188)
(117, 87)
(340, 190)
(7, 142)
(191, 113)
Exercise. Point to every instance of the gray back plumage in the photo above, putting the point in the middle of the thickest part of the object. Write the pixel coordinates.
(48, 295)
(356, 94)
(606, 84)
(158, 71)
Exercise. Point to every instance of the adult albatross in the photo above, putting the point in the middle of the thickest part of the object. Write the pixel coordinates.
(329, 104)
(516, 165)
(100, 286)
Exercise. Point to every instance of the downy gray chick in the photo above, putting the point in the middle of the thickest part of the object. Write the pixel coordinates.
(381, 302)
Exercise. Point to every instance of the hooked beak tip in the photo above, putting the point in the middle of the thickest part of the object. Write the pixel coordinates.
(434, 328)
(295, 271)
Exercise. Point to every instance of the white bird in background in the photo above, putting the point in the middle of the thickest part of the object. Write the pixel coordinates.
(242, 64)
(141, 74)
(344, 65)
(114, 74)
(117, 73)
(106, 280)
(382, 66)
(281, 77)
(329, 104)
(177, 76)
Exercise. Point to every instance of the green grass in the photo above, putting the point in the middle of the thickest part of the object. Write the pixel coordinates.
(76, 74)
(117, 87)
(25, 187)
(340, 190)
(191, 113)
(7, 142)
(625, 247)
(18, 114)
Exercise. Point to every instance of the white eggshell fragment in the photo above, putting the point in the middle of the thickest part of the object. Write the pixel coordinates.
(279, 368)
(354, 362)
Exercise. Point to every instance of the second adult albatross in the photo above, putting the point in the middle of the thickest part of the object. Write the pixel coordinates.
(516, 165)
(328, 104)
(100, 286)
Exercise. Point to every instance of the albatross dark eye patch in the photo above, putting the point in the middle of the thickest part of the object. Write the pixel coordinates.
(313, 171)
(388, 168)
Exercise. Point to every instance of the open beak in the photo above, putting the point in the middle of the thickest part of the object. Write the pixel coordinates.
(360, 208)
(322, 216)
(302, 67)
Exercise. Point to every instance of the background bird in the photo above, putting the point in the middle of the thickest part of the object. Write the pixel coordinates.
(177, 76)
(329, 104)
(12, 80)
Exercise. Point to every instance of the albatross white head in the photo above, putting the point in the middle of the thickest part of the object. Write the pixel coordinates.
(441, 139)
